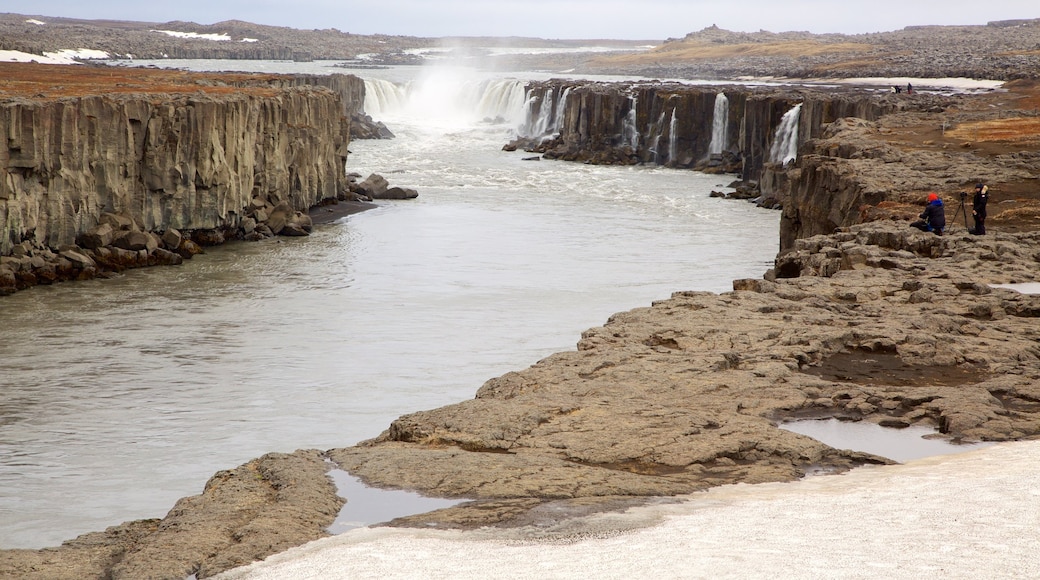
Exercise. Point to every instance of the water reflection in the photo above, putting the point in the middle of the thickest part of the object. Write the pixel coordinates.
(900, 445)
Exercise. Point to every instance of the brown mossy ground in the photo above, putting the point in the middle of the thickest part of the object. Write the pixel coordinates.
(1002, 123)
(55, 81)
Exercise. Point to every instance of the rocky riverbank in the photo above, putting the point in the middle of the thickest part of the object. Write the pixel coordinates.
(877, 323)
(108, 168)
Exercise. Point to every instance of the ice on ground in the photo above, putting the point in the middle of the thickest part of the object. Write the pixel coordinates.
(970, 515)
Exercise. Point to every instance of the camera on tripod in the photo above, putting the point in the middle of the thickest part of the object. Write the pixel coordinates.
(964, 195)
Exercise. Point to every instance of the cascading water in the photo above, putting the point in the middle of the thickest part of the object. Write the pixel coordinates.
(540, 123)
(673, 138)
(655, 132)
(561, 107)
(719, 125)
(383, 96)
(785, 142)
(629, 131)
(448, 96)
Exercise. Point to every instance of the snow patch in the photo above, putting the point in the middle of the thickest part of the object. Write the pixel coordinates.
(218, 37)
(65, 56)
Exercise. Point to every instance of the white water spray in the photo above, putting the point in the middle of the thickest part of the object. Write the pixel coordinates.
(561, 107)
(655, 130)
(719, 125)
(451, 96)
(629, 131)
(785, 142)
(673, 138)
(539, 124)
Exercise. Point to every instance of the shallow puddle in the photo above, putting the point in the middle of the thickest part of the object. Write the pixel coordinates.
(1023, 287)
(896, 444)
(369, 505)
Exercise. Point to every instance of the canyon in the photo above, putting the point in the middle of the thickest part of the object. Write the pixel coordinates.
(659, 401)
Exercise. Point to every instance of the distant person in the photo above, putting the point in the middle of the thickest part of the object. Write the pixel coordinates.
(978, 208)
(933, 218)
(897, 90)
(909, 88)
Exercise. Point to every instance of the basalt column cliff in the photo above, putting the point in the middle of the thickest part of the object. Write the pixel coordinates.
(103, 153)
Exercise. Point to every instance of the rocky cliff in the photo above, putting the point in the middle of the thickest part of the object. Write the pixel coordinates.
(829, 157)
(674, 124)
(218, 157)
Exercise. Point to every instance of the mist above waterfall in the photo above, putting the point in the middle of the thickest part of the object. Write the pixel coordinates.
(447, 95)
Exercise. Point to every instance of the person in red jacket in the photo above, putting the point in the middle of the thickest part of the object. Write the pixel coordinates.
(933, 218)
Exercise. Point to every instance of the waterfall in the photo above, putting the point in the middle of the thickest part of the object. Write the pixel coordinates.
(545, 116)
(561, 107)
(785, 142)
(655, 131)
(455, 99)
(629, 130)
(537, 114)
(500, 99)
(673, 138)
(719, 125)
(383, 97)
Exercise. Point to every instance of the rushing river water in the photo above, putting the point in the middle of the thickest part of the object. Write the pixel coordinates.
(118, 397)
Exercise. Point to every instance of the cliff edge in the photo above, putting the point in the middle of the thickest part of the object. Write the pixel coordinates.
(94, 156)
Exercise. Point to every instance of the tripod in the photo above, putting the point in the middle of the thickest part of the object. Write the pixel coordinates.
(962, 211)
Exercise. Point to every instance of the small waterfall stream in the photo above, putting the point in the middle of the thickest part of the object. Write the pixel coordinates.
(785, 142)
(719, 125)
(629, 130)
(673, 138)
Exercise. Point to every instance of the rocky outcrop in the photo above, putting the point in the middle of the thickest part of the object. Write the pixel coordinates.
(376, 186)
(245, 514)
(218, 165)
(858, 170)
(672, 124)
(879, 323)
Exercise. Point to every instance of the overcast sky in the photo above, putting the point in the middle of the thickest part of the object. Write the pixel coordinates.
(642, 19)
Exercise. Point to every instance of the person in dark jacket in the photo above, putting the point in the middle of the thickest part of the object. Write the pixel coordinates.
(978, 209)
(933, 218)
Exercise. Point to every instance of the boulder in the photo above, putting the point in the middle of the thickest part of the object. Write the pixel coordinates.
(119, 222)
(398, 193)
(78, 260)
(373, 186)
(99, 236)
(166, 257)
(8, 283)
(208, 237)
(280, 215)
(171, 239)
(189, 248)
(132, 240)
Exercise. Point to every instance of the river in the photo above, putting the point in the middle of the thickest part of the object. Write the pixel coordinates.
(120, 396)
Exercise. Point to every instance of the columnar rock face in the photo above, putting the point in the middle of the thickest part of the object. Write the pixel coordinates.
(167, 161)
(672, 124)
